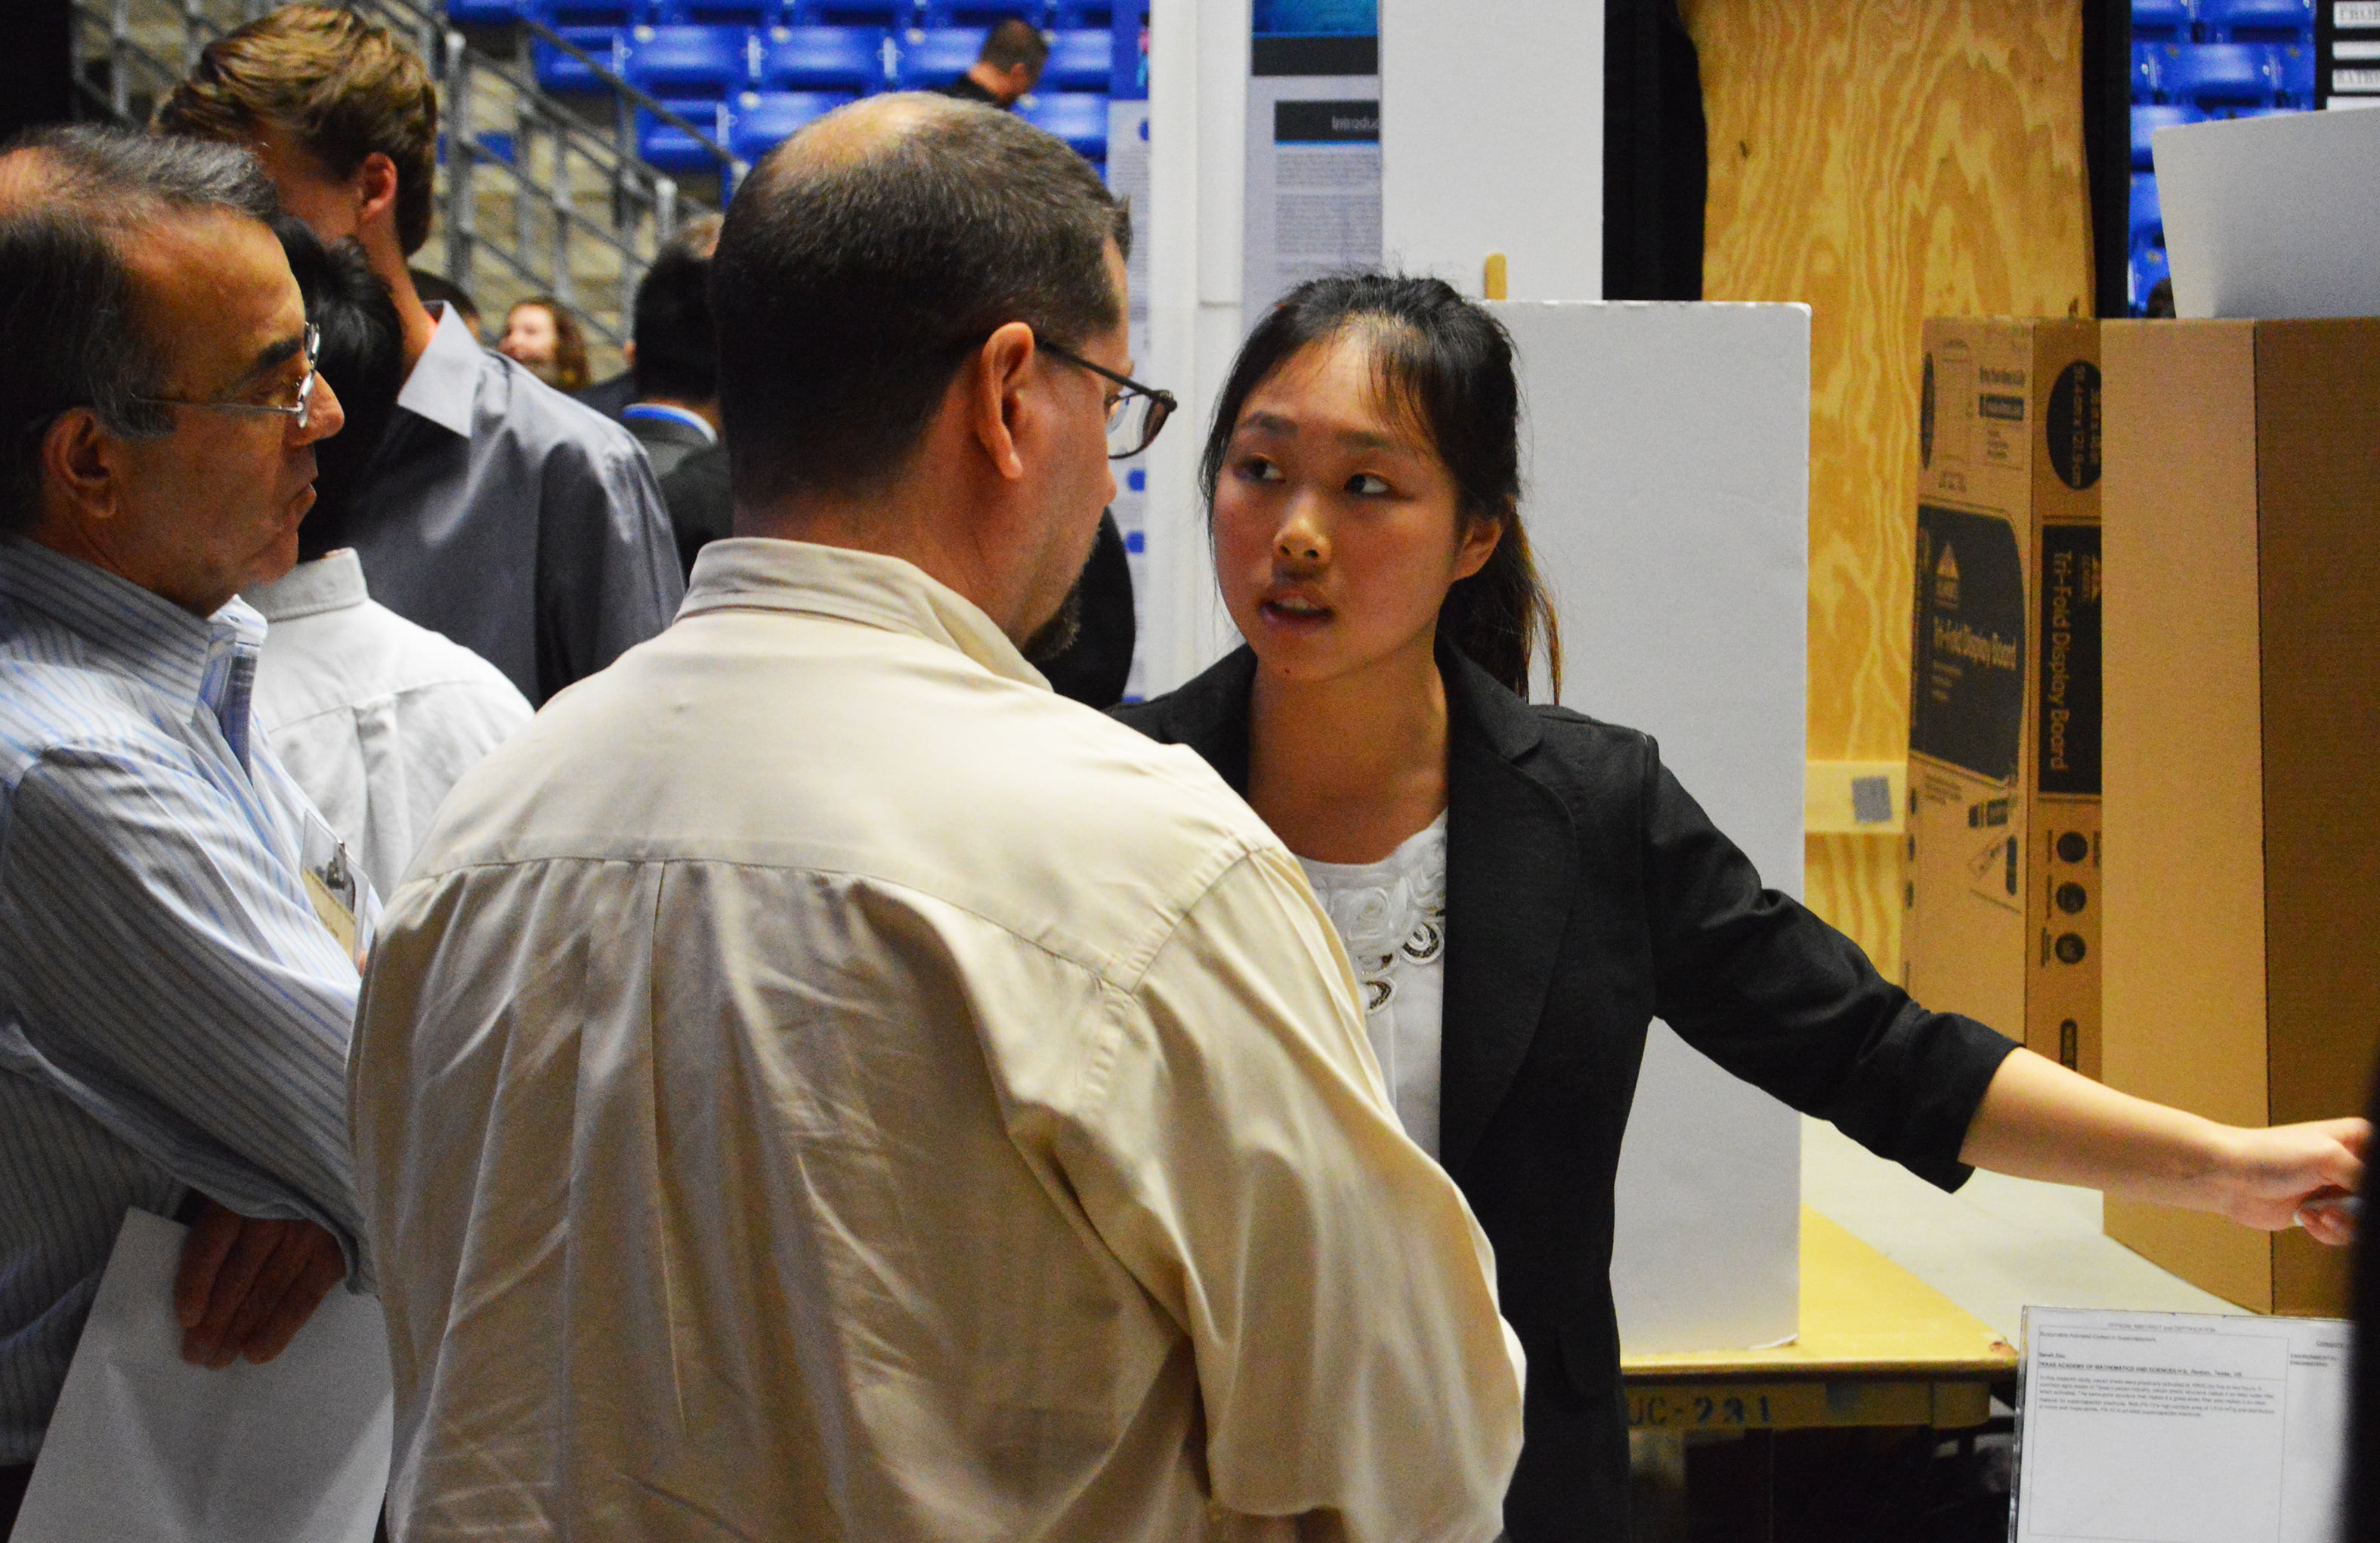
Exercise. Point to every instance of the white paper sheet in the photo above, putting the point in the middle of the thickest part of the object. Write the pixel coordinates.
(2181, 1427)
(2272, 217)
(145, 1448)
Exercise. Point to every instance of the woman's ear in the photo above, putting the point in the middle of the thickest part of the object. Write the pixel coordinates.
(1477, 544)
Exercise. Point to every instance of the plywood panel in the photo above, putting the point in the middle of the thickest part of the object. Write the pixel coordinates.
(1884, 161)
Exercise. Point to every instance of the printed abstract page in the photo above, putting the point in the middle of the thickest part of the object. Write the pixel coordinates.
(2181, 1427)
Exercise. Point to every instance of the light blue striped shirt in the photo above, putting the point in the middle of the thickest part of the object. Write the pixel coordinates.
(173, 1011)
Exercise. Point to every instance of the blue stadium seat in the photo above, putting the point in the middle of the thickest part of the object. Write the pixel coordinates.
(725, 13)
(560, 14)
(981, 13)
(2293, 67)
(2251, 21)
(564, 76)
(2161, 20)
(2147, 120)
(2148, 215)
(669, 148)
(888, 14)
(823, 59)
(1069, 16)
(2153, 64)
(1078, 117)
(763, 119)
(1079, 61)
(685, 63)
(2215, 77)
(937, 57)
(483, 13)
(2148, 265)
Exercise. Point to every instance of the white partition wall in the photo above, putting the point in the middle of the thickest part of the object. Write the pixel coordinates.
(1668, 500)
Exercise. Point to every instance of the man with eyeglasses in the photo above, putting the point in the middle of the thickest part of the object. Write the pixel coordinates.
(177, 927)
(817, 1084)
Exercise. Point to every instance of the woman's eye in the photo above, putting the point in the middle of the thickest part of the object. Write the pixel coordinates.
(1366, 484)
(1255, 469)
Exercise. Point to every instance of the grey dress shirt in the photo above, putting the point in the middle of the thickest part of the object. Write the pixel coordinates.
(521, 524)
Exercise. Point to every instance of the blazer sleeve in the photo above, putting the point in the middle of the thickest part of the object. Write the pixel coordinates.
(1755, 981)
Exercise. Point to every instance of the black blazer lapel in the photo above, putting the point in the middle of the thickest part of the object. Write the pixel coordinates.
(1512, 861)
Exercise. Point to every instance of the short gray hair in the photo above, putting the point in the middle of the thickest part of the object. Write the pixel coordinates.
(848, 288)
(67, 327)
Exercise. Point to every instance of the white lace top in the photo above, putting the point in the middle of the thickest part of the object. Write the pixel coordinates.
(1391, 915)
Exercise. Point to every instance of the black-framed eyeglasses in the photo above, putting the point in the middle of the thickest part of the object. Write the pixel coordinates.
(295, 402)
(1136, 414)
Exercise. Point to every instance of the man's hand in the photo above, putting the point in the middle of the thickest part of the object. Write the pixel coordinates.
(247, 1286)
(2298, 1174)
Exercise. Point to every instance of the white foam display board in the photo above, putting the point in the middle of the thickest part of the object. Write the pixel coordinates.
(2273, 218)
(1668, 499)
(1491, 140)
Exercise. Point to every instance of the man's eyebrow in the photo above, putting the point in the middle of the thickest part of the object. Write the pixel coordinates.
(272, 357)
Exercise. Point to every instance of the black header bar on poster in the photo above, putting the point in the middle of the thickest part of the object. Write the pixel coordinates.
(1317, 56)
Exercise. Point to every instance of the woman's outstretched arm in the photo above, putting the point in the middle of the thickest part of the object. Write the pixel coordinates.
(2040, 1121)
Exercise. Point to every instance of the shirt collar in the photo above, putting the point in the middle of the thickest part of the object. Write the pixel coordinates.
(673, 415)
(205, 662)
(447, 377)
(762, 573)
(332, 582)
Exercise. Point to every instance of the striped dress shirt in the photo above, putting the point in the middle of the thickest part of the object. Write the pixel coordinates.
(172, 1013)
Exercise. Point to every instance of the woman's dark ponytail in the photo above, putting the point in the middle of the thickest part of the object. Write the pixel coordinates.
(1448, 363)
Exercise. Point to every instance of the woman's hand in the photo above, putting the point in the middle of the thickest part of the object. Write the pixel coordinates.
(2295, 1174)
(2040, 1121)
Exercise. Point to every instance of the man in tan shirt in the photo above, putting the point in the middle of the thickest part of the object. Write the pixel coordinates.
(819, 1085)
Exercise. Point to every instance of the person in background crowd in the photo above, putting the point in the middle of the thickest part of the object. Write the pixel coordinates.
(816, 1082)
(174, 1002)
(1523, 889)
(544, 335)
(501, 513)
(437, 289)
(374, 716)
(1009, 67)
(675, 360)
(696, 236)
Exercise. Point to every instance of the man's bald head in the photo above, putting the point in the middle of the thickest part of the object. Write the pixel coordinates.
(73, 205)
(865, 256)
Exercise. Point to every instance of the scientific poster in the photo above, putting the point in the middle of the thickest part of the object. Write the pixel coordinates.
(1313, 146)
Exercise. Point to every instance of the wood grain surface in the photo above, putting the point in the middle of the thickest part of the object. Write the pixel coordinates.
(1884, 161)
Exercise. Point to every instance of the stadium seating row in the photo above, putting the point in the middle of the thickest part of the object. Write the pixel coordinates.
(2223, 22)
(751, 123)
(2222, 77)
(720, 62)
(900, 14)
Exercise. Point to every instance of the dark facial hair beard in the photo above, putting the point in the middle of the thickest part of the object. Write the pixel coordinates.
(1058, 634)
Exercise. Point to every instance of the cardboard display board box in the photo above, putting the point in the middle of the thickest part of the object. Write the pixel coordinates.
(2004, 751)
(2242, 497)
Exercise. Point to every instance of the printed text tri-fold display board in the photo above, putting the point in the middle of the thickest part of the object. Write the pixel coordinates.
(2003, 885)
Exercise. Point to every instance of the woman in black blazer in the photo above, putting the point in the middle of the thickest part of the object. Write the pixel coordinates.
(1362, 480)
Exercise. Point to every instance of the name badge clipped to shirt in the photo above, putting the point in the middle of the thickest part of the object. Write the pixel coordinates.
(332, 886)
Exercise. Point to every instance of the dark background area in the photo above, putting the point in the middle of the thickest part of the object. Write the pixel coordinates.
(36, 65)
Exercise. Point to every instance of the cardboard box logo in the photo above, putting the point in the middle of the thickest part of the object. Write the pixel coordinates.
(2004, 733)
